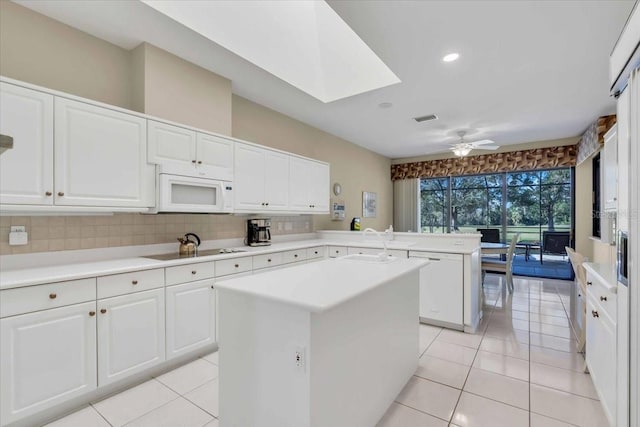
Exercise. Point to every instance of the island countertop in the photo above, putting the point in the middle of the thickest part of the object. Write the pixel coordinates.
(322, 285)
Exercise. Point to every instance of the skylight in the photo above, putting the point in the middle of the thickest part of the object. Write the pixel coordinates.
(303, 42)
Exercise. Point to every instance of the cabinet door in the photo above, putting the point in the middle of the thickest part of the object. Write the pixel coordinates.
(26, 170)
(46, 358)
(249, 178)
(441, 290)
(276, 180)
(131, 334)
(171, 144)
(299, 171)
(215, 156)
(191, 317)
(319, 187)
(100, 157)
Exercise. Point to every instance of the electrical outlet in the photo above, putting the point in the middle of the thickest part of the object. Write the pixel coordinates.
(18, 235)
(300, 361)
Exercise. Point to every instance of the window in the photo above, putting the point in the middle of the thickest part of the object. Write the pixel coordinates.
(527, 202)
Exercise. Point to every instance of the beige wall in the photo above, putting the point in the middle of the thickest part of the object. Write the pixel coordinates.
(42, 51)
(169, 87)
(588, 246)
(503, 149)
(356, 168)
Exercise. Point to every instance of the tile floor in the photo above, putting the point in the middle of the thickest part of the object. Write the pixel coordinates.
(520, 369)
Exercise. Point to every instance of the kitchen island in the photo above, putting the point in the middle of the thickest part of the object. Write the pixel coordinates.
(330, 343)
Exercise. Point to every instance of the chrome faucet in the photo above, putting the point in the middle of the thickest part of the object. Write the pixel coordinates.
(384, 254)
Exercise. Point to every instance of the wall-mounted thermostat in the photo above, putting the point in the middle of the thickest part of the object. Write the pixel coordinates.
(337, 211)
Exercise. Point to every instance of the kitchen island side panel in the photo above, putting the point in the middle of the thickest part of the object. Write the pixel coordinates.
(364, 351)
(259, 382)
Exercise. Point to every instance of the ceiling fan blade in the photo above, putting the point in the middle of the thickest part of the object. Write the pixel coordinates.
(482, 142)
(487, 147)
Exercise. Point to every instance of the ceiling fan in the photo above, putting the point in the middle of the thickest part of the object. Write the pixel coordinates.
(463, 148)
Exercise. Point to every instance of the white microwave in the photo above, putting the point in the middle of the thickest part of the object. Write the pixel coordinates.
(180, 191)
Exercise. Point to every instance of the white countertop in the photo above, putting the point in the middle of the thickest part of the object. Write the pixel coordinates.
(67, 270)
(321, 285)
(605, 273)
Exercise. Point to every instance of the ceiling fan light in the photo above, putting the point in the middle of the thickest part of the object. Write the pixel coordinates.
(461, 151)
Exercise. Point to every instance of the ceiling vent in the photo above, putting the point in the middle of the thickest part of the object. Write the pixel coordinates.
(425, 118)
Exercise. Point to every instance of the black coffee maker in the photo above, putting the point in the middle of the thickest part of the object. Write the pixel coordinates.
(258, 232)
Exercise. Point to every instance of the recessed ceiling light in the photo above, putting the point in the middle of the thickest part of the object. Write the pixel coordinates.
(451, 57)
(385, 105)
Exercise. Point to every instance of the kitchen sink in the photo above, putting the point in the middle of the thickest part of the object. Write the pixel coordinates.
(207, 252)
(373, 259)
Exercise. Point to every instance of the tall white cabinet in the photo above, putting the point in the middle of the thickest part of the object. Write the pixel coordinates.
(32, 344)
(26, 170)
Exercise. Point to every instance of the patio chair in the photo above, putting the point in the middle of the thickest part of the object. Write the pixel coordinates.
(554, 243)
(499, 266)
(489, 235)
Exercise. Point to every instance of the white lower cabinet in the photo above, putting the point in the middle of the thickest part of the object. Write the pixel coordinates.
(131, 334)
(47, 357)
(191, 317)
(441, 288)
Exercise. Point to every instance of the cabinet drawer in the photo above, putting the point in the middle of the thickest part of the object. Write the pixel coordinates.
(375, 251)
(42, 297)
(189, 272)
(267, 260)
(316, 252)
(605, 299)
(126, 283)
(294, 256)
(232, 266)
(337, 251)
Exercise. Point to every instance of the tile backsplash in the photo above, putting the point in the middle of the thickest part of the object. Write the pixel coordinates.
(57, 233)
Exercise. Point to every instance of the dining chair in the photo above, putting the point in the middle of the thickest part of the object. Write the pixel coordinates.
(500, 266)
(577, 260)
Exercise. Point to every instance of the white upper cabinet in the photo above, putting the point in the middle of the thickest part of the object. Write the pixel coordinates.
(610, 170)
(308, 185)
(26, 170)
(261, 179)
(171, 143)
(174, 144)
(100, 157)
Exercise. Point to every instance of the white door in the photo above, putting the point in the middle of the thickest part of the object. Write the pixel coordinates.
(249, 178)
(100, 157)
(131, 334)
(191, 317)
(215, 156)
(441, 289)
(319, 187)
(299, 170)
(276, 180)
(46, 358)
(26, 170)
(171, 144)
